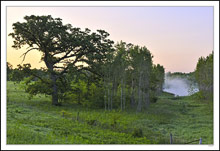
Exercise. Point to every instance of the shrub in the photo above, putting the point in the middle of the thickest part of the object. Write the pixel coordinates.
(137, 132)
(153, 99)
(91, 122)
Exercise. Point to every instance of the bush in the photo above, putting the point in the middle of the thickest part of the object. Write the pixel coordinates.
(137, 132)
(65, 114)
(204, 76)
(153, 99)
(91, 122)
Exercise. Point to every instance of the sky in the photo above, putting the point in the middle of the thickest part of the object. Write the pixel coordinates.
(176, 36)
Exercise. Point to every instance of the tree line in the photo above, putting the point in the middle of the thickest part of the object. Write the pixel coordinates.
(201, 77)
(85, 67)
(204, 76)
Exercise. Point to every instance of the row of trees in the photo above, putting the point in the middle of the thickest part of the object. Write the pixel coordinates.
(204, 76)
(23, 71)
(130, 74)
(86, 67)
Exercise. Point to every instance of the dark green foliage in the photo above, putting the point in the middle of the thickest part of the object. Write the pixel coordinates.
(113, 89)
(156, 82)
(92, 122)
(62, 47)
(204, 76)
(83, 66)
(157, 78)
(9, 71)
(137, 132)
(16, 76)
(127, 78)
(19, 73)
(153, 99)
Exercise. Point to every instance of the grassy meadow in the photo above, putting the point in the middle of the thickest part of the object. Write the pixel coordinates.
(36, 121)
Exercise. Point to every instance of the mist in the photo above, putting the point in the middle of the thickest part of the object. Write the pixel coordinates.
(179, 86)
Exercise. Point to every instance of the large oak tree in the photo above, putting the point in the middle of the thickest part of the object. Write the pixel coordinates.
(62, 46)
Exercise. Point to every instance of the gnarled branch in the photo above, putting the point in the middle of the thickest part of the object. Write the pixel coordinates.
(24, 54)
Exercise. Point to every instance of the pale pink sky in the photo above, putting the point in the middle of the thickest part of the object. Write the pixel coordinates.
(176, 36)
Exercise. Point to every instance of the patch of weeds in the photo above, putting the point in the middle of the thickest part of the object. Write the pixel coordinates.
(137, 132)
(92, 122)
(183, 108)
(65, 114)
(115, 118)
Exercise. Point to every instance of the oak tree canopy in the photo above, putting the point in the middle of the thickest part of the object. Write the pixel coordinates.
(62, 46)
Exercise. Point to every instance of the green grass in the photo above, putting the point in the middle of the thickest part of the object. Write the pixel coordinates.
(36, 121)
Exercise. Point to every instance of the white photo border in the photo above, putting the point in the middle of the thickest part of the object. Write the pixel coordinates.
(5, 4)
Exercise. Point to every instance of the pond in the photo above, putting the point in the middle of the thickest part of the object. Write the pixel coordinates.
(179, 86)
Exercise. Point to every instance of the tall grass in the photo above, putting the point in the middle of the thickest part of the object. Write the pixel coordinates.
(36, 121)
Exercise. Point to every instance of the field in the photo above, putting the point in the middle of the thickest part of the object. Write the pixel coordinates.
(36, 121)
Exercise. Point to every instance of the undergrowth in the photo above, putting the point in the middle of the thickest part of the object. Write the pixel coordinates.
(36, 121)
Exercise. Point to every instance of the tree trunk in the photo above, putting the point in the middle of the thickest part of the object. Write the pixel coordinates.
(54, 90)
(147, 99)
(109, 88)
(108, 98)
(122, 94)
(147, 91)
(112, 94)
(105, 94)
(132, 94)
(139, 95)
(53, 80)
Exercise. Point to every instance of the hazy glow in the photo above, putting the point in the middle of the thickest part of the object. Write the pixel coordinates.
(176, 36)
(179, 86)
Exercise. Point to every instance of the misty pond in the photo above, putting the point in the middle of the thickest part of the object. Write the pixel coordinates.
(179, 86)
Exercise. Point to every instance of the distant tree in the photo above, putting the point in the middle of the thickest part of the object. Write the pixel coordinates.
(156, 82)
(140, 68)
(62, 47)
(158, 75)
(121, 67)
(9, 71)
(204, 75)
(19, 73)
